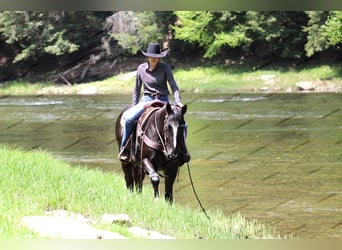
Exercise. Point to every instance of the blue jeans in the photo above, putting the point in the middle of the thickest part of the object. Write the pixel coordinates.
(131, 115)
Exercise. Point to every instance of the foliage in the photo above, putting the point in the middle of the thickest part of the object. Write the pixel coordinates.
(59, 46)
(275, 34)
(316, 41)
(257, 33)
(195, 26)
(134, 30)
(332, 29)
(263, 35)
(52, 32)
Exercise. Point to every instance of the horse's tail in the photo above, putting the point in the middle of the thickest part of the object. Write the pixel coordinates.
(118, 127)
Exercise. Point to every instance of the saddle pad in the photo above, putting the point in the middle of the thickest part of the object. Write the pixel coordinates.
(147, 113)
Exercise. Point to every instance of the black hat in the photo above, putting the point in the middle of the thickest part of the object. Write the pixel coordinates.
(153, 50)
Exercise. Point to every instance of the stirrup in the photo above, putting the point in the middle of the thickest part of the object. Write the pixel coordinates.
(123, 155)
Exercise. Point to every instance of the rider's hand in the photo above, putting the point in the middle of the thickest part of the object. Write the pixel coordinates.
(180, 104)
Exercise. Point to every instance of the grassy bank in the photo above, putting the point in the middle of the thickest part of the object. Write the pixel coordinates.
(325, 77)
(33, 182)
(241, 79)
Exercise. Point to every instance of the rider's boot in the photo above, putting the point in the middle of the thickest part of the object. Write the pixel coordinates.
(123, 155)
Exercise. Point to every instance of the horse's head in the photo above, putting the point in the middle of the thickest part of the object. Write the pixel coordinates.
(174, 131)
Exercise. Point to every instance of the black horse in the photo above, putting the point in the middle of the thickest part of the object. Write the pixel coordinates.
(157, 145)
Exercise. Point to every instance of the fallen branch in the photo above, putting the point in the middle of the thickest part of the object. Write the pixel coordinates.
(65, 80)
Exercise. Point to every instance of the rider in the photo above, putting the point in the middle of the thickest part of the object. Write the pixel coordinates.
(153, 75)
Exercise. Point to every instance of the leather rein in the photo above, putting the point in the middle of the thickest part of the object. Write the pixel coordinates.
(145, 139)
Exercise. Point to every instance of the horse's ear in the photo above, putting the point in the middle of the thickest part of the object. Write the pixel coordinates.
(184, 109)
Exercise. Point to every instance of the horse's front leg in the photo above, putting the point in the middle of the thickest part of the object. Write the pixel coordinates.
(154, 177)
(169, 181)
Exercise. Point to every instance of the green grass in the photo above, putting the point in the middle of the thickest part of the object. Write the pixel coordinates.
(242, 79)
(224, 79)
(20, 88)
(32, 182)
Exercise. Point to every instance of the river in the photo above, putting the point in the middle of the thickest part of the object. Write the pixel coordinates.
(272, 157)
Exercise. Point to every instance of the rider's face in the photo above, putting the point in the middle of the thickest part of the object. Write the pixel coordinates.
(153, 61)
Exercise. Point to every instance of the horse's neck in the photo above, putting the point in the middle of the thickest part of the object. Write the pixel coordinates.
(157, 121)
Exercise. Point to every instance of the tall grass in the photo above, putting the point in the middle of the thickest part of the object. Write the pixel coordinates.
(242, 79)
(33, 182)
(225, 79)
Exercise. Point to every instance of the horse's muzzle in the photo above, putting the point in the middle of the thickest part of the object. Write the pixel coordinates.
(172, 156)
(186, 157)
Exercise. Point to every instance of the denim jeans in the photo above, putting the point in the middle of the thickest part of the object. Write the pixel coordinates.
(132, 114)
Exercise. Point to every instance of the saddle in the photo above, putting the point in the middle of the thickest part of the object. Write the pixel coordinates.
(132, 145)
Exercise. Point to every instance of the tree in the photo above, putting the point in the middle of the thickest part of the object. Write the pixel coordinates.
(34, 34)
(316, 41)
(324, 30)
(195, 27)
(134, 30)
(264, 34)
(332, 29)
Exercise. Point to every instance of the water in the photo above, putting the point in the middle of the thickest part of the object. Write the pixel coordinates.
(272, 157)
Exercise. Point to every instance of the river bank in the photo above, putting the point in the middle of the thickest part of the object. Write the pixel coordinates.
(224, 79)
(35, 182)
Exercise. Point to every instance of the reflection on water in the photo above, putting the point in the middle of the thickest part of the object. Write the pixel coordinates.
(272, 157)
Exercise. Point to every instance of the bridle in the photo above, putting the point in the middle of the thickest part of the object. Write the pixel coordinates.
(164, 140)
(162, 135)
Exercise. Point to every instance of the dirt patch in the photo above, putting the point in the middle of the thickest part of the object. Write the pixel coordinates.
(65, 228)
(319, 85)
(61, 224)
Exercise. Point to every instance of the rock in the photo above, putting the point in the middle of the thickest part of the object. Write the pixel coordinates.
(62, 224)
(305, 85)
(69, 215)
(88, 91)
(148, 234)
(115, 218)
(64, 228)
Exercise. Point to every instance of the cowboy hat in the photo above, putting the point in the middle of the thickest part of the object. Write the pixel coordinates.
(153, 50)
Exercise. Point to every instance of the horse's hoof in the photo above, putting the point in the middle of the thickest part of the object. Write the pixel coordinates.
(156, 199)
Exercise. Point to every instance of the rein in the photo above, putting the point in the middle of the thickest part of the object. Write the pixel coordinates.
(145, 139)
(159, 135)
(193, 189)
